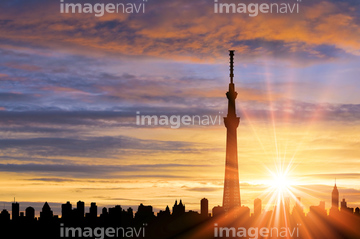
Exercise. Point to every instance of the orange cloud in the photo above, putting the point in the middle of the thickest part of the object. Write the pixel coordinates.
(25, 67)
(63, 89)
(190, 35)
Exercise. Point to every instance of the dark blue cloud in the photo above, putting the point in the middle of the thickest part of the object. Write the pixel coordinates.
(99, 147)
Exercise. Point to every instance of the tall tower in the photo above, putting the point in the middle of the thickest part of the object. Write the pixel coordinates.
(335, 197)
(231, 198)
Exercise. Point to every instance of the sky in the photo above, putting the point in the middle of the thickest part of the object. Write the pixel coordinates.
(71, 84)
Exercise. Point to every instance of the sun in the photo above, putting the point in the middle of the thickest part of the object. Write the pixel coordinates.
(281, 186)
(280, 182)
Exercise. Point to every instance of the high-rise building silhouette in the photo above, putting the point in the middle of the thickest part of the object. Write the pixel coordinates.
(30, 213)
(298, 210)
(66, 210)
(204, 207)
(257, 207)
(80, 209)
(343, 205)
(4, 216)
(334, 210)
(231, 197)
(178, 209)
(335, 197)
(46, 212)
(15, 210)
(357, 211)
(93, 210)
(144, 213)
(287, 205)
(217, 211)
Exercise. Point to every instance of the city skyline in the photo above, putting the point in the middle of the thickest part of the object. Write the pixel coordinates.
(334, 199)
(341, 222)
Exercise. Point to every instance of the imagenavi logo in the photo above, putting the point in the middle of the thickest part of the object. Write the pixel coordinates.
(99, 9)
(253, 9)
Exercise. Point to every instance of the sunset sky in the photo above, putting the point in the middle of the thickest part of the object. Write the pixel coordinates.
(71, 84)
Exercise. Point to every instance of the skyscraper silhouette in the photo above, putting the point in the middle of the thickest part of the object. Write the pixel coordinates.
(257, 207)
(30, 213)
(204, 207)
(15, 209)
(335, 198)
(66, 210)
(93, 210)
(46, 213)
(80, 209)
(231, 198)
(178, 209)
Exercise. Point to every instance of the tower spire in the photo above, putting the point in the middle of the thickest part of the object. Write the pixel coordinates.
(231, 65)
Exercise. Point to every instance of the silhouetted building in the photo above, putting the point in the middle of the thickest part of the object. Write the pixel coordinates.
(30, 213)
(335, 198)
(318, 211)
(178, 209)
(334, 210)
(15, 210)
(104, 213)
(115, 213)
(357, 210)
(4, 216)
(46, 212)
(231, 197)
(93, 210)
(204, 207)
(257, 207)
(66, 210)
(144, 213)
(298, 210)
(343, 204)
(131, 213)
(287, 205)
(217, 211)
(322, 205)
(344, 207)
(165, 213)
(243, 213)
(80, 209)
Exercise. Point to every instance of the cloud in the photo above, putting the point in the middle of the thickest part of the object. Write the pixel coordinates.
(194, 33)
(97, 171)
(15, 97)
(24, 67)
(331, 176)
(56, 180)
(201, 189)
(89, 147)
